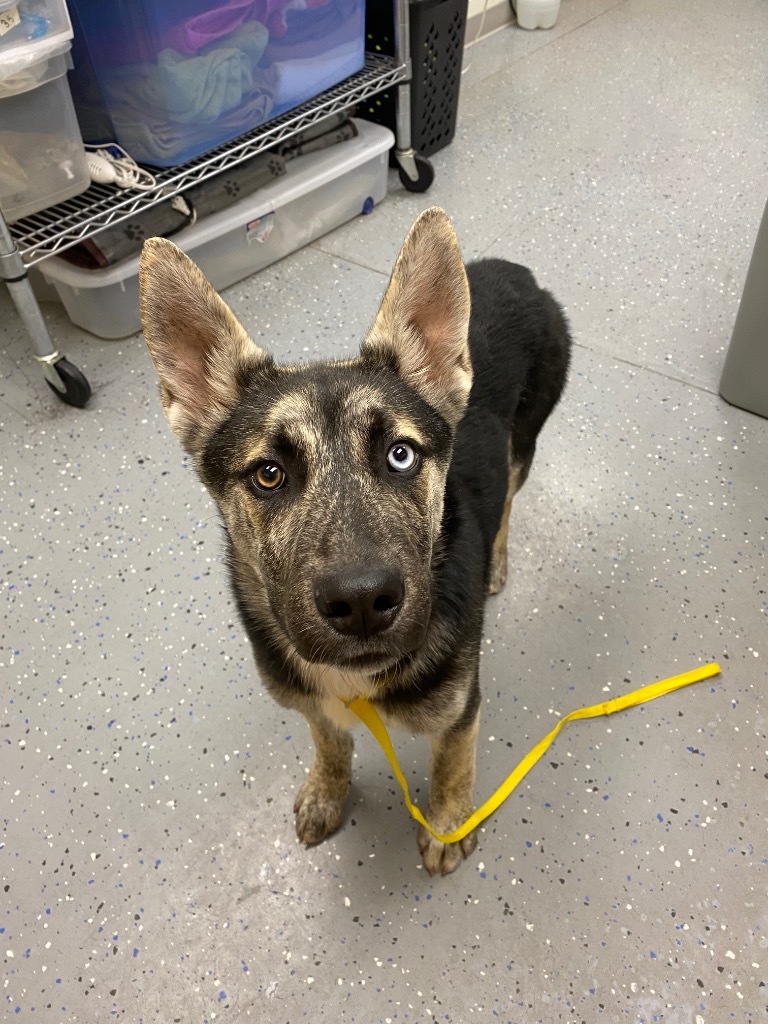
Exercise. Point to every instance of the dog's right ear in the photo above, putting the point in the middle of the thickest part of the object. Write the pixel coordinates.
(200, 351)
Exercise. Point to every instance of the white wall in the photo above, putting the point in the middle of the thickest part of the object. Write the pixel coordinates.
(496, 14)
(476, 6)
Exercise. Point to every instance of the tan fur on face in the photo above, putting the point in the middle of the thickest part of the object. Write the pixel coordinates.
(292, 415)
(343, 513)
(424, 316)
(362, 398)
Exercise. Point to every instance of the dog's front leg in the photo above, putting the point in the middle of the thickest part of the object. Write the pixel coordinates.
(450, 797)
(319, 805)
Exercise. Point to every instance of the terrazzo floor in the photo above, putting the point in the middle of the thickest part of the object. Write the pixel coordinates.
(150, 869)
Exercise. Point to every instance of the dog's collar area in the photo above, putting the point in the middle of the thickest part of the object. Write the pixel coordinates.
(370, 718)
(377, 681)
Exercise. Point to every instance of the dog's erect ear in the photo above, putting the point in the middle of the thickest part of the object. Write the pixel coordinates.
(423, 320)
(200, 351)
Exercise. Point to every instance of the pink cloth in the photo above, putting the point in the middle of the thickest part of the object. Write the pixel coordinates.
(192, 34)
(195, 33)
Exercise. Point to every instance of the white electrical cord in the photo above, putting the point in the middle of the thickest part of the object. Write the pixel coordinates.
(111, 165)
(477, 35)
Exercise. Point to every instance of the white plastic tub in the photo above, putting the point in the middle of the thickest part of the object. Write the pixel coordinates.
(42, 159)
(320, 192)
(532, 14)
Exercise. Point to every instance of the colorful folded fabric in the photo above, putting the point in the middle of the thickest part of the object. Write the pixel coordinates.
(185, 89)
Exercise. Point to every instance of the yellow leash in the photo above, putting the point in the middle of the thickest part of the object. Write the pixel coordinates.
(370, 717)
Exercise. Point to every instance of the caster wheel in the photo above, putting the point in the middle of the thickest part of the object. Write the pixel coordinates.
(77, 390)
(426, 175)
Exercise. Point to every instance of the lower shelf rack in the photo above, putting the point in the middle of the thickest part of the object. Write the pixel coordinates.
(46, 233)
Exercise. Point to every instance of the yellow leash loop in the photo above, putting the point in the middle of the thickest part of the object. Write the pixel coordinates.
(370, 717)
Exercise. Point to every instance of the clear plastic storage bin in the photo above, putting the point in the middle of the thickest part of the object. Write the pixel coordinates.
(180, 77)
(319, 192)
(42, 160)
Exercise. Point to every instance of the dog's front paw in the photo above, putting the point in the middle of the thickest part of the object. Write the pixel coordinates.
(443, 858)
(319, 810)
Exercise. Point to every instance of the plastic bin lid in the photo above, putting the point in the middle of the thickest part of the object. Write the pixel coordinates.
(32, 65)
(16, 55)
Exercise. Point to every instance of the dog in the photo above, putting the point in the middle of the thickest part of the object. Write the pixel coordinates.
(366, 501)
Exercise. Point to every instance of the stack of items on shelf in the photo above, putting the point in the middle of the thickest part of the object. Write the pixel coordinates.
(42, 160)
(176, 78)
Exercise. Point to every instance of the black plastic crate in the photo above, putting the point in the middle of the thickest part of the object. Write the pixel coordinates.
(437, 47)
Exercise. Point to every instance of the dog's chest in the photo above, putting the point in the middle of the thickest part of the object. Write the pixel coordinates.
(335, 688)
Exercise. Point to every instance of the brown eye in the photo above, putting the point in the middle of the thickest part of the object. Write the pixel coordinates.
(268, 476)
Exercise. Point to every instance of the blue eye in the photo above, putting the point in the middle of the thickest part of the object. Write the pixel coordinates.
(401, 457)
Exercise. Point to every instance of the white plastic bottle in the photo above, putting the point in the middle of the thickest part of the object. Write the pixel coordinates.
(536, 13)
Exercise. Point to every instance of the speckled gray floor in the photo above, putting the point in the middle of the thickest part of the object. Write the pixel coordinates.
(150, 870)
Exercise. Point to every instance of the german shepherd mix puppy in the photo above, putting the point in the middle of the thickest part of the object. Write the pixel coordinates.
(366, 501)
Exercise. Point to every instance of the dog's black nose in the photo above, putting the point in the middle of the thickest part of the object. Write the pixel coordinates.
(360, 600)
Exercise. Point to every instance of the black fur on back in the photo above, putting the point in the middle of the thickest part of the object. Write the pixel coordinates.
(520, 347)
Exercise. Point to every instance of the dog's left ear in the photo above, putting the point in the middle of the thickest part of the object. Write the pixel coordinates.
(423, 322)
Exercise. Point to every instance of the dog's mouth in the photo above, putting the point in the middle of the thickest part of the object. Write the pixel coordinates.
(364, 661)
(380, 665)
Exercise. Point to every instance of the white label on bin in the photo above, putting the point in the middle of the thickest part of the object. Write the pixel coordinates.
(9, 19)
(260, 229)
